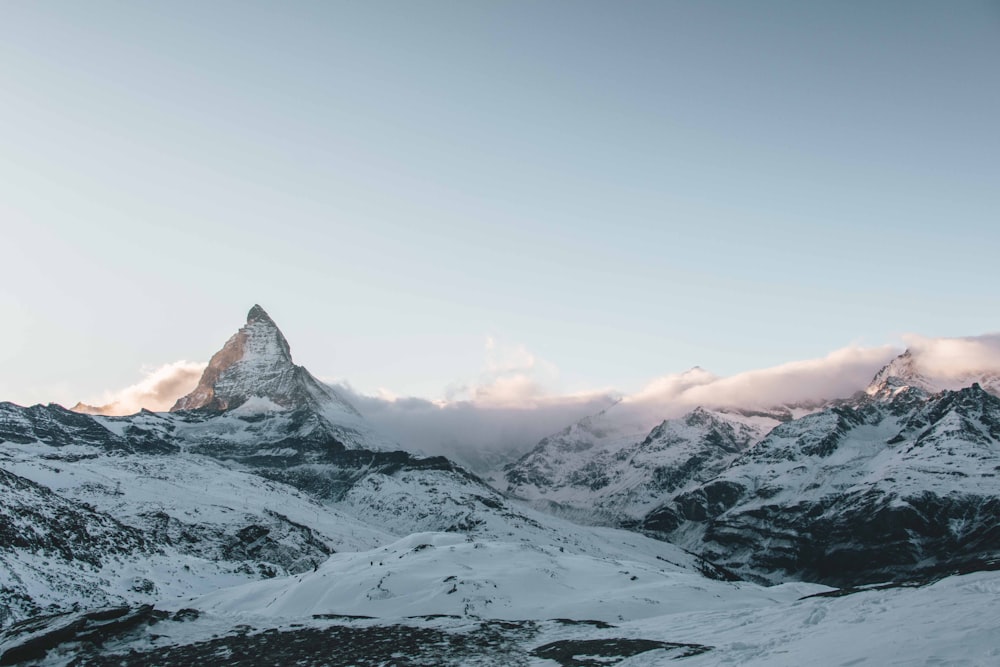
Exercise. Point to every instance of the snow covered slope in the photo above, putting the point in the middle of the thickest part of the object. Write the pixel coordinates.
(949, 622)
(450, 573)
(615, 468)
(57, 553)
(82, 525)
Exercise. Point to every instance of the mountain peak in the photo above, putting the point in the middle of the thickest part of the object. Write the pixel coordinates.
(900, 373)
(256, 362)
(258, 314)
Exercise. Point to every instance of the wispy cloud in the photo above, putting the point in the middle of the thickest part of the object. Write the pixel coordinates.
(505, 409)
(955, 358)
(157, 391)
(837, 375)
(479, 432)
(511, 377)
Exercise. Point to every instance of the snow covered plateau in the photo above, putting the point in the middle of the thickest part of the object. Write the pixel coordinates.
(264, 521)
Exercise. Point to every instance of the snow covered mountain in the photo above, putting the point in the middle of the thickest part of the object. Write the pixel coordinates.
(616, 470)
(898, 484)
(256, 362)
(253, 377)
(263, 473)
(265, 520)
(93, 515)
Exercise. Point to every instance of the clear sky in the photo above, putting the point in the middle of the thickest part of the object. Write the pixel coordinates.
(615, 190)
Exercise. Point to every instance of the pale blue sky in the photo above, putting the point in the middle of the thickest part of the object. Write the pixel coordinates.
(623, 189)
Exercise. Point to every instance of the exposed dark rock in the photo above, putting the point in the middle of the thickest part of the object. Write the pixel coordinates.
(32, 639)
(600, 652)
(488, 642)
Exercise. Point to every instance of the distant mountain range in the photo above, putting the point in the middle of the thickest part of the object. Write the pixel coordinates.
(265, 493)
(895, 482)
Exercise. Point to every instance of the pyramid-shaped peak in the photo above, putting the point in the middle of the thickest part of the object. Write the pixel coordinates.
(256, 362)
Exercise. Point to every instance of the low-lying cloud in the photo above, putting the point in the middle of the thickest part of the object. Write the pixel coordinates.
(955, 358)
(503, 411)
(837, 375)
(479, 434)
(158, 391)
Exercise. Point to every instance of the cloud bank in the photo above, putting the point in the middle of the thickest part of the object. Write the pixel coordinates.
(955, 358)
(837, 375)
(502, 412)
(157, 391)
(480, 434)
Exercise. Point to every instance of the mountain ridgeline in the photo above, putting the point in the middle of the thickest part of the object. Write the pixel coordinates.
(263, 472)
(902, 481)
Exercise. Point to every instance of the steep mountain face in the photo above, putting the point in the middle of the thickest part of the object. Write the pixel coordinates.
(256, 362)
(899, 484)
(603, 463)
(894, 482)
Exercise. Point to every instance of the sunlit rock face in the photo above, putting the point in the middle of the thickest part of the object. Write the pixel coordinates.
(256, 362)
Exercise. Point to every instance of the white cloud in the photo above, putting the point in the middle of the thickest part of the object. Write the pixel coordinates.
(837, 375)
(954, 358)
(510, 409)
(504, 410)
(478, 433)
(157, 391)
(511, 377)
(513, 403)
